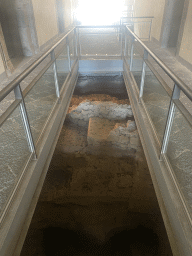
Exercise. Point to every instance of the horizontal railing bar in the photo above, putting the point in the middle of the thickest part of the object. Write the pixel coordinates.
(14, 105)
(142, 17)
(100, 56)
(187, 91)
(99, 26)
(9, 111)
(145, 21)
(5, 91)
(112, 33)
(41, 73)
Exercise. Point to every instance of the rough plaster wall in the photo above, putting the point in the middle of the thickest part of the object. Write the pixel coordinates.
(158, 18)
(67, 12)
(1, 66)
(144, 8)
(45, 19)
(186, 46)
(151, 8)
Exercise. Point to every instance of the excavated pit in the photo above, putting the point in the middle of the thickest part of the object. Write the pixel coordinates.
(98, 197)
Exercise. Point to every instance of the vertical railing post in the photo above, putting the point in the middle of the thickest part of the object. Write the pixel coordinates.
(75, 34)
(68, 54)
(170, 117)
(25, 119)
(79, 44)
(132, 50)
(121, 31)
(55, 74)
(125, 45)
(150, 29)
(145, 57)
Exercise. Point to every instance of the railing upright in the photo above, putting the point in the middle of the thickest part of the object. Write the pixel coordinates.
(145, 57)
(55, 74)
(19, 96)
(132, 51)
(76, 42)
(170, 117)
(68, 54)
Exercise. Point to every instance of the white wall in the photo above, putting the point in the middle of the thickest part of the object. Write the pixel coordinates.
(143, 8)
(186, 42)
(158, 7)
(151, 8)
(1, 66)
(45, 19)
(67, 12)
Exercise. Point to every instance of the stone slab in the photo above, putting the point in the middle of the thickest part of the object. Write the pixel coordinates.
(98, 130)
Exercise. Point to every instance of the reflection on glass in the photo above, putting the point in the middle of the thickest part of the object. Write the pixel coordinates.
(137, 66)
(40, 101)
(14, 153)
(156, 101)
(72, 50)
(62, 66)
(127, 50)
(179, 153)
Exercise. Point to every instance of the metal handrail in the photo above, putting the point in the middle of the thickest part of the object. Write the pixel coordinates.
(5, 91)
(175, 78)
(98, 26)
(144, 17)
(11, 86)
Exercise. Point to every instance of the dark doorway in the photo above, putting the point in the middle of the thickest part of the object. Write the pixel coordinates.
(171, 23)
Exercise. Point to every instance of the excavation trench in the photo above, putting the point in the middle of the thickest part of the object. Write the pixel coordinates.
(98, 197)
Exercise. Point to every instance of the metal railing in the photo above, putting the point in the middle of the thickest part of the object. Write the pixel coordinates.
(60, 56)
(98, 41)
(125, 44)
(141, 26)
(164, 103)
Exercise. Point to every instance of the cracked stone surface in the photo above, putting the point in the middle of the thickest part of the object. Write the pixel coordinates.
(87, 109)
(86, 153)
(105, 135)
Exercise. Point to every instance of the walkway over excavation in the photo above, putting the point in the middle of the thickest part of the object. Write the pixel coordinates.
(33, 114)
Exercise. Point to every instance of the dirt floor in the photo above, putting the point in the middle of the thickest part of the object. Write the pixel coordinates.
(96, 203)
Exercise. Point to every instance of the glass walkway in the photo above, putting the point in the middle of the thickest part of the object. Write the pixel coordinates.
(31, 114)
